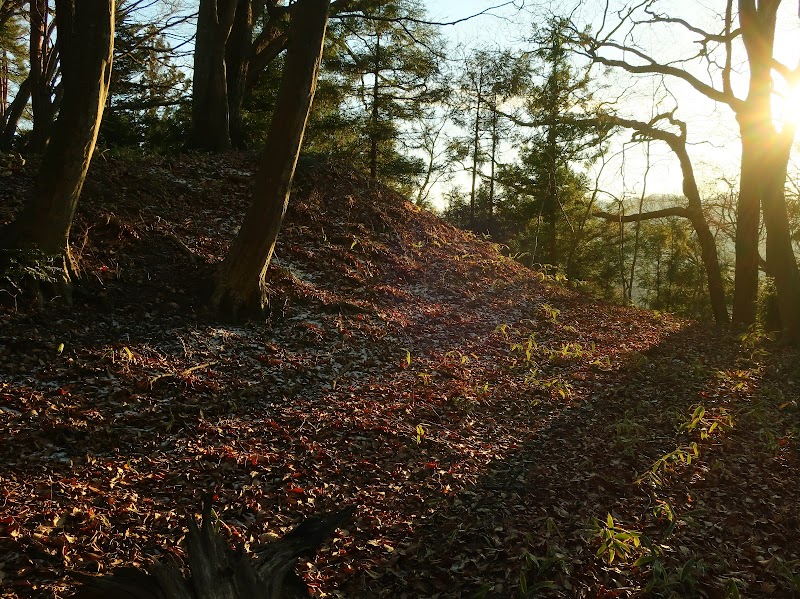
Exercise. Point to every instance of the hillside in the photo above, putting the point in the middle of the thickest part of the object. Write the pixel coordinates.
(491, 425)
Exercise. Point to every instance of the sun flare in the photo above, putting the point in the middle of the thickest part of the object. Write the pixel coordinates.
(791, 106)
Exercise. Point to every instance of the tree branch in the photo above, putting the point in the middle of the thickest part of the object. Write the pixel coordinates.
(631, 218)
(654, 68)
(148, 104)
(363, 15)
(724, 37)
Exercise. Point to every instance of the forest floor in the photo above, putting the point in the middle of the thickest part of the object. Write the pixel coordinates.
(500, 434)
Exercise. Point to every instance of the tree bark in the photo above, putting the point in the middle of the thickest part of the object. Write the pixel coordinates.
(217, 572)
(4, 85)
(550, 203)
(210, 130)
(754, 118)
(14, 114)
(246, 59)
(779, 251)
(41, 100)
(708, 246)
(493, 154)
(765, 156)
(476, 147)
(748, 220)
(375, 114)
(85, 43)
(708, 252)
(240, 289)
(272, 41)
(237, 65)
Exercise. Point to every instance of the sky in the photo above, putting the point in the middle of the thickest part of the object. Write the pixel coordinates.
(712, 129)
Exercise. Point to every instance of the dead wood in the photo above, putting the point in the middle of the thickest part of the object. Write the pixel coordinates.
(215, 571)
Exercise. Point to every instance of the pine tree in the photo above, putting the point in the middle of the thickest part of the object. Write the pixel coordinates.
(147, 87)
(562, 134)
(13, 73)
(386, 62)
(489, 79)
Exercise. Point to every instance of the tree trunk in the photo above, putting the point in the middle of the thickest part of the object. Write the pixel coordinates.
(765, 157)
(216, 572)
(757, 23)
(550, 203)
(14, 114)
(237, 64)
(4, 75)
(272, 41)
(748, 208)
(708, 246)
(210, 131)
(493, 153)
(86, 43)
(780, 253)
(375, 115)
(637, 232)
(239, 283)
(476, 148)
(41, 100)
(708, 251)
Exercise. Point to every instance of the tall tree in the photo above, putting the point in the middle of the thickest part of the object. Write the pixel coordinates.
(488, 80)
(229, 57)
(239, 282)
(765, 157)
(390, 58)
(147, 85)
(247, 54)
(765, 144)
(210, 124)
(13, 74)
(693, 211)
(44, 57)
(86, 44)
(561, 134)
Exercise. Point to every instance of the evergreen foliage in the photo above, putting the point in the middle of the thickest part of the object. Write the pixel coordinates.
(386, 65)
(148, 93)
(13, 53)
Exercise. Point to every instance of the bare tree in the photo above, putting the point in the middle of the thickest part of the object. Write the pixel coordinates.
(693, 211)
(765, 146)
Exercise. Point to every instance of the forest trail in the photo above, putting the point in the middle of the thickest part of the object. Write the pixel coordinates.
(492, 425)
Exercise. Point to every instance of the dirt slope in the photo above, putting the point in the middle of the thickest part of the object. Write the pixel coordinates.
(486, 421)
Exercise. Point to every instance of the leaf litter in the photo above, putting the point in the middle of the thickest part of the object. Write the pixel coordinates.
(501, 434)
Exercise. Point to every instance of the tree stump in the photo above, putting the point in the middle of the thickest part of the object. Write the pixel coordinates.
(214, 571)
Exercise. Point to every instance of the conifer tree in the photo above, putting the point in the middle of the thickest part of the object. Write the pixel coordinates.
(14, 80)
(488, 80)
(388, 60)
(562, 133)
(147, 86)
